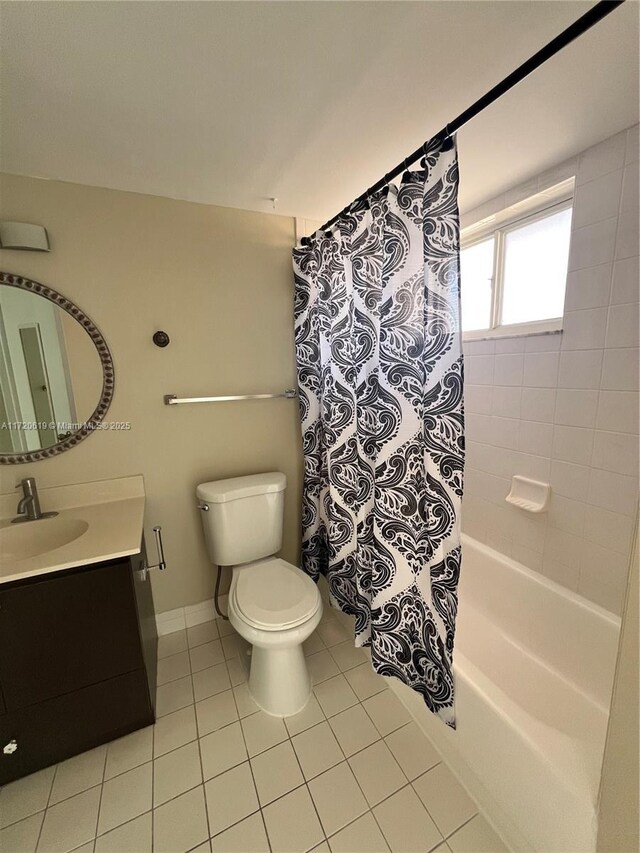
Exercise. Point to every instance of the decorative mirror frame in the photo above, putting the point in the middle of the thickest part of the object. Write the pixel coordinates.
(106, 362)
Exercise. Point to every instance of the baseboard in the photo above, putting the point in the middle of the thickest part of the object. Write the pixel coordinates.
(186, 617)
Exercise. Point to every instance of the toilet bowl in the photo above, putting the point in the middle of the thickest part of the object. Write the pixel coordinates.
(272, 604)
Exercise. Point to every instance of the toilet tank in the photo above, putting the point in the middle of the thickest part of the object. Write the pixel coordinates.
(244, 517)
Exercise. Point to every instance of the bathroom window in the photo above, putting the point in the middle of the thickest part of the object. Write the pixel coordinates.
(513, 267)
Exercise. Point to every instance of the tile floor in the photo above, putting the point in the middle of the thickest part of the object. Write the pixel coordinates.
(352, 773)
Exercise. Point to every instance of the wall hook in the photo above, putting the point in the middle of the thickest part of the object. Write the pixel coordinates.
(161, 339)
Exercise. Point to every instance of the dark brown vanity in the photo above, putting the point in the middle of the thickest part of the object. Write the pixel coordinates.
(78, 653)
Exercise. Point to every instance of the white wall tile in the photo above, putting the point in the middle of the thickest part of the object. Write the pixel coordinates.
(527, 556)
(564, 575)
(626, 278)
(572, 444)
(505, 345)
(618, 411)
(602, 158)
(563, 547)
(580, 368)
(593, 245)
(603, 576)
(615, 492)
(536, 438)
(506, 401)
(530, 465)
(508, 369)
(478, 369)
(528, 530)
(567, 514)
(620, 370)
(627, 237)
(505, 432)
(477, 398)
(588, 288)
(541, 369)
(547, 342)
(569, 480)
(615, 451)
(597, 199)
(584, 329)
(538, 404)
(487, 347)
(609, 529)
(622, 328)
(576, 408)
(479, 428)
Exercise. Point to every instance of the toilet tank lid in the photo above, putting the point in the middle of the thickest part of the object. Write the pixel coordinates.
(221, 491)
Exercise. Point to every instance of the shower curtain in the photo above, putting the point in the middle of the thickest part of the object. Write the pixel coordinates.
(380, 377)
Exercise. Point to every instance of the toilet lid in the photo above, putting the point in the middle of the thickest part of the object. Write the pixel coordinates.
(273, 594)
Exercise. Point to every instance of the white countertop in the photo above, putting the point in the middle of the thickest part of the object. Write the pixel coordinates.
(113, 511)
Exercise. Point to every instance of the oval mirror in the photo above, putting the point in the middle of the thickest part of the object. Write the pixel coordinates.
(56, 372)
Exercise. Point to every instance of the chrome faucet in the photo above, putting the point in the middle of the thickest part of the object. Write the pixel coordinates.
(29, 504)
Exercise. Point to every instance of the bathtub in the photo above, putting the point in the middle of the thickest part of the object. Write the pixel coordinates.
(534, 667)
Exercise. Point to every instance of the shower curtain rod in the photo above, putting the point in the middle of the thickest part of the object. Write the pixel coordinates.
(584, 23)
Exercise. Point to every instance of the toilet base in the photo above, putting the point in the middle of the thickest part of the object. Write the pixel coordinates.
(279, 680)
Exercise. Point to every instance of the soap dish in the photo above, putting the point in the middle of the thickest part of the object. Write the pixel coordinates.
(529, 495)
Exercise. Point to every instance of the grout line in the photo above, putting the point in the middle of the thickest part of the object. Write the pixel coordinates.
(44, 817)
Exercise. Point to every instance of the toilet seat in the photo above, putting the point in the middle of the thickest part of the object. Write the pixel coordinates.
(273, 595)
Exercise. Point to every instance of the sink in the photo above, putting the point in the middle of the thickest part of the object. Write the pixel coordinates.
(31, 538)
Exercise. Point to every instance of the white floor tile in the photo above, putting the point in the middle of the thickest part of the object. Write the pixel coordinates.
(313, 644)
(362, 836)
(25, 796)
(174, 730)
(354, 730)
(321, 666)
(180, 824)
(173, 667)
(70, 823)
(446, 800)
(292, 823)
(22, 837)
(230, 798)
(132, 837)
(129, 751)
(276, 772)
(216, 712)
(377, 772)
(202, 848)
(310, 715)
(221, 750)
(209, 654)
(125, 797)
(413, 751)
(364, 681)
(347, 656)
(337, 797)
(317, 750)
(335, 695)
(262, 731)
(233, 646)
(203, 633)
(332, 632)
(237, 671)
(207, 682)
(406, 824)
(78, 773)
(248, 836)
(387, 712)
(176, 772)
(173, 696)
(476, 837)
(321, 848)
(244, 700)
(172, 644)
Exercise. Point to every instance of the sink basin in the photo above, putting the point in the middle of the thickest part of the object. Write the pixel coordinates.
(31, 538)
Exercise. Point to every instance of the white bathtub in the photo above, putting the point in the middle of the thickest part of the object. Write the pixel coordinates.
(534, 667)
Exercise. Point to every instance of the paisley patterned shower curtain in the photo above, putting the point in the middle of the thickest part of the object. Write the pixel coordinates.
(380, 374)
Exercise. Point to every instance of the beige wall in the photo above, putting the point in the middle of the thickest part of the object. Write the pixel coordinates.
(618, 821)
(219, 282)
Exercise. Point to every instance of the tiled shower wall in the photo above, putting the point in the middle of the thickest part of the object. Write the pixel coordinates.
(563, 408)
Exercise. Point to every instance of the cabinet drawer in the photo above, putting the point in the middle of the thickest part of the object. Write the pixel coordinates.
(66, 632)
(59, 728)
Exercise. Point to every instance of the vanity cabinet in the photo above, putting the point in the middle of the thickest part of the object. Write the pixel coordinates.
(78, 653)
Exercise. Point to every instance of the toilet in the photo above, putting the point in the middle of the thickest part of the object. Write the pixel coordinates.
(272, 604)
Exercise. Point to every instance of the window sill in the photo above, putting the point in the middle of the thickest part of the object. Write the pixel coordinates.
(523, 330)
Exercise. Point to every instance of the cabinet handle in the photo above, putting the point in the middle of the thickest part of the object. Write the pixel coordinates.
(162, 563)
(11, 747)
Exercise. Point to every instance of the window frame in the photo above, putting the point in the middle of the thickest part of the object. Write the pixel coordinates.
(533, 209)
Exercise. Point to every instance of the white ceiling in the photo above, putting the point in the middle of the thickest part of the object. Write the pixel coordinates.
(231, 103)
